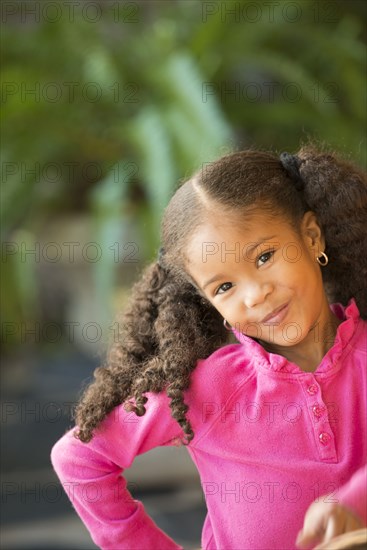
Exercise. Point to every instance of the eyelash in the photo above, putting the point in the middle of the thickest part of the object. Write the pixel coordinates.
(269, 253)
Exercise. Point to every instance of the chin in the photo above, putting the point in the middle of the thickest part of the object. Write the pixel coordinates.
(292, 336)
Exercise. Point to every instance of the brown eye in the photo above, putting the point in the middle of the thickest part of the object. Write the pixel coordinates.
(265, 257)
(223, 287)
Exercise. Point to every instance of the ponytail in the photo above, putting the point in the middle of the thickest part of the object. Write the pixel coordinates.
(166, 327)
(336, 191)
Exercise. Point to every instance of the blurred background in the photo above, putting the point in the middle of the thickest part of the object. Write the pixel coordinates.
(106, 107)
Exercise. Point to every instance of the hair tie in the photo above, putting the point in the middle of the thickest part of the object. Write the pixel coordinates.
(291, 164)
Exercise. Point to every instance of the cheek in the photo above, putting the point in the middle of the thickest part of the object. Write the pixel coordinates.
(299, 262)
(221, 310)
(306, 280)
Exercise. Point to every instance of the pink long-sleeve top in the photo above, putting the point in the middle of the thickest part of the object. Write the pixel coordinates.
(269, 439)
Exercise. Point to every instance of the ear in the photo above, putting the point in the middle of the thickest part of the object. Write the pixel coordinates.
(312, 234)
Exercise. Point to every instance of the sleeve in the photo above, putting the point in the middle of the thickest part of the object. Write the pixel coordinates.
(90, 473)
(353, 494)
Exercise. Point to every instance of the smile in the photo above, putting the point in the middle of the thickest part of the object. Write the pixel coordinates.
(276, 316)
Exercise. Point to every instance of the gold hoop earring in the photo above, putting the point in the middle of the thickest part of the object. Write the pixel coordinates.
(228, 327)
(322, 260)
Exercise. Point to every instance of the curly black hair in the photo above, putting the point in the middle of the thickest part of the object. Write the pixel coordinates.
(168, 324)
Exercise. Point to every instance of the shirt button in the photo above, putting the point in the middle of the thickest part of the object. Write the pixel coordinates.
(312, 389)
(318, 410)
(324, 438)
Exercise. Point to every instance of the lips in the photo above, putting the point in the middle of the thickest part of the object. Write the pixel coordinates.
(277, 315)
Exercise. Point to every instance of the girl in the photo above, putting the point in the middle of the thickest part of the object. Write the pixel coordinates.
(253, 247)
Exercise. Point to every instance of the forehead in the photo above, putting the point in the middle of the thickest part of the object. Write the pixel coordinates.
(237, 228)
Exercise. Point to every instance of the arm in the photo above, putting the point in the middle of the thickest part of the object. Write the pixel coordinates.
(326, 520)
(90, 474)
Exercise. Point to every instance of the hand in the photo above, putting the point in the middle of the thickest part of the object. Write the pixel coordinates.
(324, 521)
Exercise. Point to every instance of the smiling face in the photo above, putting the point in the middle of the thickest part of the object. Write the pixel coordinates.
(262, 275)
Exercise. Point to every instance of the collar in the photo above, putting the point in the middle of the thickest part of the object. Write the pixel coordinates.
(349, 315)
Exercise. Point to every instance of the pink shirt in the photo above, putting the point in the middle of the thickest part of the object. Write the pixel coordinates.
(269, 439)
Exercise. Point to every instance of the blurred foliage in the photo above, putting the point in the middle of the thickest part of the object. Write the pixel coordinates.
(107, 105)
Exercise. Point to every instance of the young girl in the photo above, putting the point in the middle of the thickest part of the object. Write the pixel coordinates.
(254, 246)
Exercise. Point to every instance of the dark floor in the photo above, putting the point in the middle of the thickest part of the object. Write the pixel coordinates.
(36, 514)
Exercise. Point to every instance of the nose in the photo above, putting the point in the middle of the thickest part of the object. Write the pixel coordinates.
(255, 294)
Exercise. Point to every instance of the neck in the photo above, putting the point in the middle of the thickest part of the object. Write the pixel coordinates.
(309, 353)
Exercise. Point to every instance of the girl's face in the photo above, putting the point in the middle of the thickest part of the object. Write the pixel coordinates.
(261, 275)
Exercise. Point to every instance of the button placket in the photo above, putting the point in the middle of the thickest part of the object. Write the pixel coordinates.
(318, 410)
(324, 438)
(320, 422)
(312, 389)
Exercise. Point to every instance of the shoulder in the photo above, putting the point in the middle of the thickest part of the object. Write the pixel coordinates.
(363, 332)
(215, 380)
(359, 344)
(221, 373)
(351, 336)
(354, 332)
(235, 355)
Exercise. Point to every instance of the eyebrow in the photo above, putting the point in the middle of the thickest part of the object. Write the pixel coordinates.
(248, 251)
